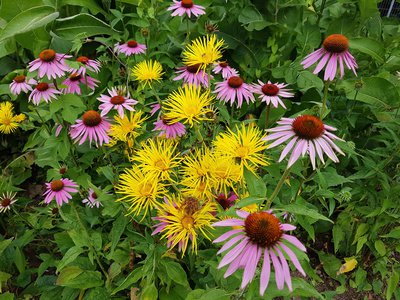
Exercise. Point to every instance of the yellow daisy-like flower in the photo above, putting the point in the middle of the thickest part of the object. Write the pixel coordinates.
(142, 192)
(244, 147)
(147, 71)
(197, 179)
(8, 121)
(158, 159)
(226, 173)
(183, 219)
(188, 105)
(126, 128)
(204, 50)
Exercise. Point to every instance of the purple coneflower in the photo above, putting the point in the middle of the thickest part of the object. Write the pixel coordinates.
(192, 75)
(6, 200)
(130, 48)
(186, 7)
(45, 91)
(91, 201)
(50, 63)
(225, 70)
(169, 130)
(154, 108)
(335, 47)
(260, 235)
(86, 64)
(21, 83)
(115, 101)
(73, 81)
(92, 126)
(226, 201)
(307, 134)
(271, 92)
(61, 190)
(234, 88)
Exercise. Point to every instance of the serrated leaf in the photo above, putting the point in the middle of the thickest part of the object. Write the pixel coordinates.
(301, 210)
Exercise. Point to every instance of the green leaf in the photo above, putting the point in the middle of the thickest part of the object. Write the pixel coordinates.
(367, 8)
(330, 263)
(68, 274)
(92, 5)
(81, 26)
(176, 272)
(370, 47)
(4, 244)
(69, 257)
(150, 292)
(28, 20)
(305, 211)
(394, 233)
(9, 10)
(392, 284)
(117, 230)
(380, 247)
(255, 184)
(249, 201)
(307, 80)
(19, 260)
(7, 296)
(132, 278)
(75, 277)
(4, 277)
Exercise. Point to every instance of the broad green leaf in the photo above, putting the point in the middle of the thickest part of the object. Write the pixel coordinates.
(380, 247)
(68, 274)
(69, 257)
(394, 233)
(392, 284)
(28, 20)
(307, 80)
(7, 296)
(367, 8)
(81, 26)
(19, 260)
(176, 272)
(92, 5)
(9, 9)
(330, 263)
(249, 201)
(4, 277)
(255, 184)
(149, 292)
(4, 244)
(132, 278)
(370, 47)
(305, 211)
(117, 230)
(75, 277)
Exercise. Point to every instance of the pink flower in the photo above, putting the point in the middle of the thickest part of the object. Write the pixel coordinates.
(21, 83)
(45, 91)
(335, 47)
(260, 235)
(186, 7)
(307, 134)
(91, 201)
(116, 101)
(91, 126)
(50, 63)
(270, 92)
(73, 83)
(170, 130)
(192, 75)
(226, 201)
(59, 127)
(232, 89)
(129, 48)
(225, 70)
(154, 108)
(61, 190)
(86, 64)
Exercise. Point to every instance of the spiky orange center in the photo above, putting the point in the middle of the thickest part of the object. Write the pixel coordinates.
(75, 77)
(270, 89)
(47, 55)
(83, 59)
(187, 3)
(308, 127)
(91, 118)
(42, 86)
(19, 78)
(193, 69)
(5, 202)
(56, 185)
(191, 205)
(235, 82)
(336, 43)
(263, 229)
(132, 44)
(223, 64)
(117, 100)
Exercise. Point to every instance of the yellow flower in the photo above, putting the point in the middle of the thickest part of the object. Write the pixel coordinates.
(9, 121)
(204, 51)
(125, 128)
(140, 191)
(188, 105)
(183, 219)
(226, 172)
(158, 159)
(244, 147)
(197, 180)
(147, 71)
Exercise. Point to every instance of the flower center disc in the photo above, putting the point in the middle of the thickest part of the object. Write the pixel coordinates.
(5, 202)
(235, 82)
(242, 151)
(43, 86)
(191, 205)
(160, 164)
(193, 69)
(146, 189)
(263, 229)
(308, 127)
(336, 43)
(132, 44)
(47, 55)
(82, 59)
(19, 78)
(223, 64)
(94, 195)
(91, 118)
(187, 3)
(56, 185)
(75, 77)
(117, 100)
(270, 89)
(187, 222)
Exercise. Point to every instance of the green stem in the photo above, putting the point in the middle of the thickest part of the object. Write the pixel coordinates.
(187, 29)
(267, 115)
(155, 94)
(198, 133)
(277, 189)
(323, 108)
(43, 123)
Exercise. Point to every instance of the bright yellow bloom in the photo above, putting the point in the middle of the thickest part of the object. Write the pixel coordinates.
(9, 121)
(142, 192)
(197, 180)
(226, 173)
(188, 105)
(204, 50)
(183, 219)
(147, 71)
(245, 146)
(158, 159)
(125, 128)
